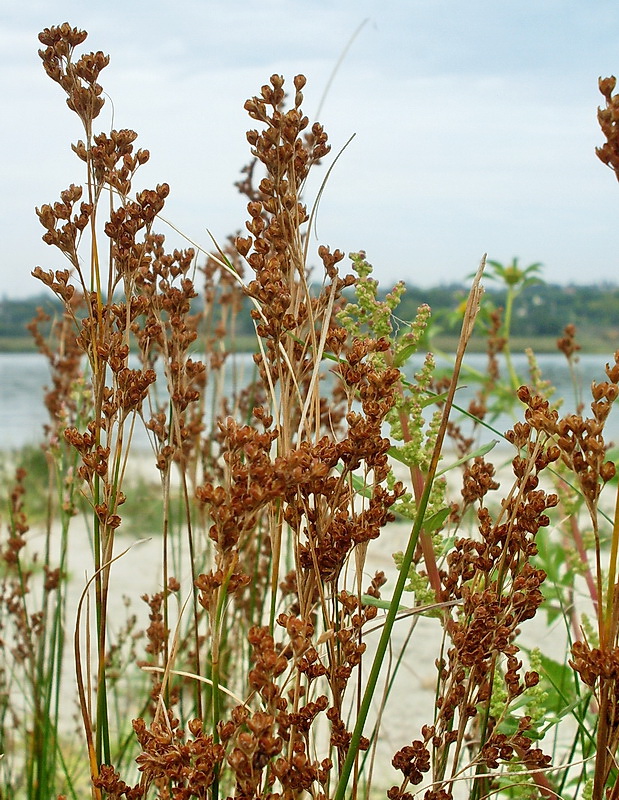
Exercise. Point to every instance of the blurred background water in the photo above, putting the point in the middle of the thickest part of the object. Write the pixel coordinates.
(23, 377)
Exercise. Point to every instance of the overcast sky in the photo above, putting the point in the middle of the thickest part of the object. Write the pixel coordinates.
(475, 124)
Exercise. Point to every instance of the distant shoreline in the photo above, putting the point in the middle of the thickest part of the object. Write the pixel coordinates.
(604, 344)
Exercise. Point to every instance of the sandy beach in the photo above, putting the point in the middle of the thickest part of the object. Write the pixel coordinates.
(137, 571)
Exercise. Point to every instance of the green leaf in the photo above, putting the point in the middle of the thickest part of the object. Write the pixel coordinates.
(368, 600)
(395, 454)
(561, 677)
(564, 696)
(359, 485)
(436, 521)
(404, 354)
(435, 398)
(481, 451)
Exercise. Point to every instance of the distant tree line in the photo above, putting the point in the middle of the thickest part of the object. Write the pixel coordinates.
(16, 314)
(540, 310)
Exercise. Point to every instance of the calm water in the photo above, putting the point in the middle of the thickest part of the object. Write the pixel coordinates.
(23, 377)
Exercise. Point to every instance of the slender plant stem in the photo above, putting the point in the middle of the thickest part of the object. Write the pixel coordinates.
(467, 329)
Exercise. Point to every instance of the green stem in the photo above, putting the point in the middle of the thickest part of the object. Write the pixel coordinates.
(472, 309)
(383, 642)
(507, 326)
(219, 619)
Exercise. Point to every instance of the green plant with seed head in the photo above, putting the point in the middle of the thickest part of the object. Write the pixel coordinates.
(258, 678)
(515, 279)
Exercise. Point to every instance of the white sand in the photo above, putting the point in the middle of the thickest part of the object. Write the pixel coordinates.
(139, 571)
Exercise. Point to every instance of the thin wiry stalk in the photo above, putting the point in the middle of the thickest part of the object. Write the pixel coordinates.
(467, 329)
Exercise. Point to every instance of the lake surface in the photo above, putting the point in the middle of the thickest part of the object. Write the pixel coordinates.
(23, 377)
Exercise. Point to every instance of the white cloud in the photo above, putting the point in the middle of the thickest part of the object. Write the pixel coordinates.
(475, 123)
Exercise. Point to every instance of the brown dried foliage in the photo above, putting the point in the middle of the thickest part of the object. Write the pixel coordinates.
(277, 649)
